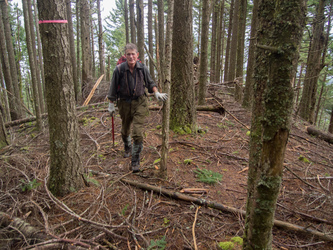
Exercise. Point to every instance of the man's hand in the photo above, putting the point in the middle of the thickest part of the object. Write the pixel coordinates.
(161, 96)
(111, 108)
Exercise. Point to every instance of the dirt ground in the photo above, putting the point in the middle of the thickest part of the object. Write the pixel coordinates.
(112, 214)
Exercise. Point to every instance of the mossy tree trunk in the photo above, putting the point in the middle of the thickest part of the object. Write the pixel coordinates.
(132, 21)
(65, 166)
(279, 34)
(182, 105)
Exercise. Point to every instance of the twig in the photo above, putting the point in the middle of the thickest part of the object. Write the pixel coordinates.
(325, 189)
(193, 229)
(299, 177)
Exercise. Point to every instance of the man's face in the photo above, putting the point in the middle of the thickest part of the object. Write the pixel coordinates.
(131, 57)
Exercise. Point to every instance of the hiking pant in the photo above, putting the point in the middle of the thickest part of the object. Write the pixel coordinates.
(133, 112)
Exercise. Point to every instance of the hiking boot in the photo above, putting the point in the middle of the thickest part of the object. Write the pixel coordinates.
(127, 146)
(136, 150)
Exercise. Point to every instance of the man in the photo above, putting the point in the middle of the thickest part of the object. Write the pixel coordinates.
(128, 85)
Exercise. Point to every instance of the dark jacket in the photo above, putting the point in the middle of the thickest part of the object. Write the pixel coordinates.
(125, 85)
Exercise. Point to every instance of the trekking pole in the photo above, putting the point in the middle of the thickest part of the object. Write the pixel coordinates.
(112, 129)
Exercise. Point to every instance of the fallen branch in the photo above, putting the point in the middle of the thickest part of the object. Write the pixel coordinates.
(221, 207)
(93, 91)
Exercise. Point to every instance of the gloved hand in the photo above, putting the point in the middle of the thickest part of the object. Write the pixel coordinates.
(161, 96)
(111, 108)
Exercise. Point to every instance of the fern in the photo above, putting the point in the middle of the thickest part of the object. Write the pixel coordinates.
(208, 176)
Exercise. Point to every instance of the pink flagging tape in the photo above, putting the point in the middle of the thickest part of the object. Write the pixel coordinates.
(53, 21)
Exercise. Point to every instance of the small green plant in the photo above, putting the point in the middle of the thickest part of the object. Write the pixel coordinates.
(188, 161)
(123, 211)
(208, 176)
(93, 181)
(28, 186)
(303, 159)
(158, 244)
(166, 221)
(157, 161)
(158, 126)
(228, 245)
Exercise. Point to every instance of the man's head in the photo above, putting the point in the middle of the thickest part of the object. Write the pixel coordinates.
(132, 54)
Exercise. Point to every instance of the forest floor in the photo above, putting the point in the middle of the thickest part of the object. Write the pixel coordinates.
(110, 213)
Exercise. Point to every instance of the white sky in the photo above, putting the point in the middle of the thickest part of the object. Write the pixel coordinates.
(106, 6)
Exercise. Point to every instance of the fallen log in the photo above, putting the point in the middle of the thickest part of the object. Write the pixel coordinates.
(34, 235)
(224, 208)
(320, 134)
(210, 108)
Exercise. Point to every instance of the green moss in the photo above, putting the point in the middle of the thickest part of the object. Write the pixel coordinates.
(226, 245)
(237, 240)
(303, 159)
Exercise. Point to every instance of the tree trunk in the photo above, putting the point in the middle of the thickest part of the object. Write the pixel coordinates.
(140, 29)
(4, 97)
(40, 57)
(280, 26)
(126, 21)
(249, 82)
(100, 42)
(35, 57)
(234, 38)
(78, 84)
(65, 165)
(160, 7)
(92, 40)
(240, 50)
(204, 52)
(150, 38)
(215, 3)
(220, 42)
(321, 135)
(6, 37)
(85, 42)
(32, 63)
(182, 115)
(330, 127)
(314, 66)
(132, 22)
(167, 90)
(227, 50)
(319, 99)
(72, 47)
(3, 133)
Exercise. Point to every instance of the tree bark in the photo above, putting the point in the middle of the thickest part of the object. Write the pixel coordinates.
(227, 50)
(35, 57)
(8, 64)
(3, 132)
(204, 52)
(140, 29)
(132, 21)
(215, 4)
(249, 82)
(182, 115)
(234, 38)
(150, 38)
(160, 9)
(100, 41)
(65, 165)
(32, 63)
(85, 42)
(220, 43)
(330, 127)
(167, 90)
(78, 84)
(280, 26)
(126, 21)
(314, 66)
